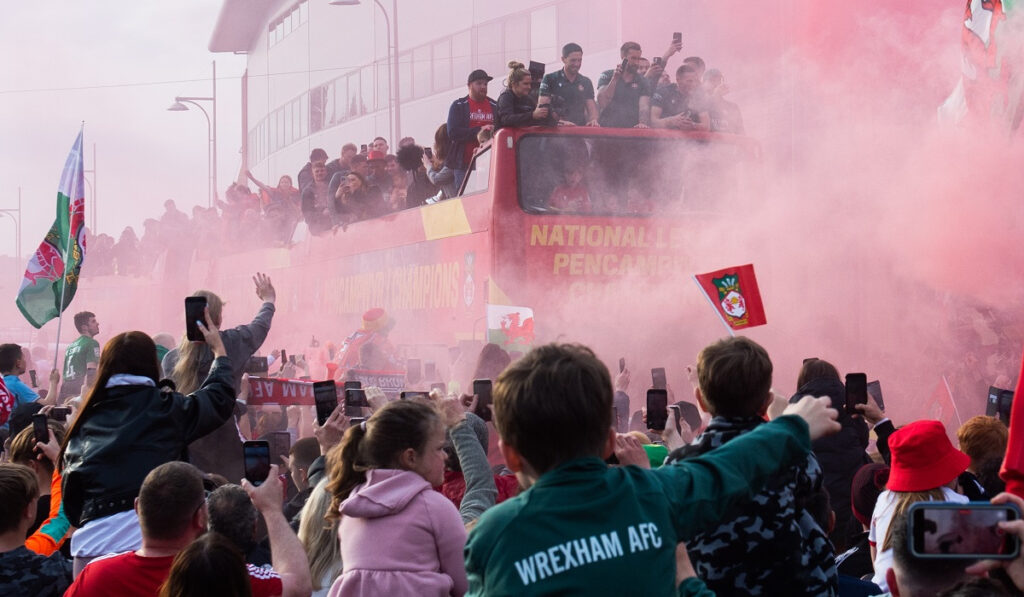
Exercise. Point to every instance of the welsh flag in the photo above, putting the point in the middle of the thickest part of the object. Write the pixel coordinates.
(510, 327)
(734, 294)
(51, 277)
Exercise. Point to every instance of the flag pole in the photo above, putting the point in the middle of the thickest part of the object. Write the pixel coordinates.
(715, 309)
(67, 250)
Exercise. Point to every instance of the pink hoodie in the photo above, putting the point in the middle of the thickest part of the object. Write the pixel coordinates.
(400, 537)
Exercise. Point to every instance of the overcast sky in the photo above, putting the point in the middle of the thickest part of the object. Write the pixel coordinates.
(117, 65)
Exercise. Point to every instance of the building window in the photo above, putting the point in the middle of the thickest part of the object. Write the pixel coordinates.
(405, 76)
(462, 57)
(517, 39)
(544, 45)
(442, 66)
(290, 20)
(317, 97)
(490, 49)
(421, 71)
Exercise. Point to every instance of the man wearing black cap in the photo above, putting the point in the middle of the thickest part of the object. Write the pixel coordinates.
(466, 117)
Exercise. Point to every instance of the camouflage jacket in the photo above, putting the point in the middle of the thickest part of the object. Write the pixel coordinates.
(772, 545)
(24, 573)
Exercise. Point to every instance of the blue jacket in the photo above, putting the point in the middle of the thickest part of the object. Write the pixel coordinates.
(460, 132)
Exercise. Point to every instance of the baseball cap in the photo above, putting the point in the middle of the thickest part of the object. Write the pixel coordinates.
(477, 75)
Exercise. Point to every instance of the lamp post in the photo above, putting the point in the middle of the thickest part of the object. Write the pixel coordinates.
(211, 131)
(391, 28)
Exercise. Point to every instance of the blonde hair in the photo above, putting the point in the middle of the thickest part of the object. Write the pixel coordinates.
(516, 73)
(904, 500)
(319, 538)
(187, 375)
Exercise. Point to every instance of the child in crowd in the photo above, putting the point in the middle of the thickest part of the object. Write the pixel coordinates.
(585, 528)
(925, 467)
(398, 535)
(772, 544)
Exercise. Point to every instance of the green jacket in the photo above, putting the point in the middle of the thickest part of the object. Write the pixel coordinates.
(585, 528)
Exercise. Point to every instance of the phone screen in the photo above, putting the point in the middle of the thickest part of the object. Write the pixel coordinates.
(32, 378)
(622, 364)
(60, 413)
(677, 37)
(257, 461)
(280, 445)
(482, 390)
(355, 397)
(429, 152)
(353, 385)
(953, 530)
(194, 308)
(284, 357)
(325, 396)
(658, 378)
(657, 409)
(625, 64)
(414, 396)
(40, 429)
(856, 391)
(874, 389)
(440, 387)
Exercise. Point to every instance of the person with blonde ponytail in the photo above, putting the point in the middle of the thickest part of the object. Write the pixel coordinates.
(516, 106)
(925, 468)
(398, 535)
(188, 365)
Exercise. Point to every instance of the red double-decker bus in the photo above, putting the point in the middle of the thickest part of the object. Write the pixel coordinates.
(573, 233)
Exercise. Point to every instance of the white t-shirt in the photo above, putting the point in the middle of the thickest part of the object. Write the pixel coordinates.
(116, 533)
(880, 519)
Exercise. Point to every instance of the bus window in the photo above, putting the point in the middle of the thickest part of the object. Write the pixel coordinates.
(622, 176)
(479, 174)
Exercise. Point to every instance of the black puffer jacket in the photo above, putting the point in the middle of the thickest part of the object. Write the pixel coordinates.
(840, 454)
(130, 431)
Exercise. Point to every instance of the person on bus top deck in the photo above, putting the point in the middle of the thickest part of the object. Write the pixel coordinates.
(725, 115)
(316, 209)
(570, 93)
(623, 95)
(516, 107)
(681, 105)
(356, 200)
(465, 117)
(306, 173)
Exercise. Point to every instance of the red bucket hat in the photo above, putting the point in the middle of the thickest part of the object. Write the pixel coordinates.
(923, 458)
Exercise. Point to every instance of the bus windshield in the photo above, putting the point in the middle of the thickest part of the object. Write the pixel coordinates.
(623, 176)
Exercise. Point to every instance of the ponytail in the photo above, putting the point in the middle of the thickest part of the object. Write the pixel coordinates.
(377, 443)
(516, 73)
(344, 469)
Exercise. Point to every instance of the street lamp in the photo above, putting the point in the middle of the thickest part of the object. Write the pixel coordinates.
(211, 131)
(391, 28)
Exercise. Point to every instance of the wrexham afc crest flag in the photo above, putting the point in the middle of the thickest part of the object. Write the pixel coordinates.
(733, 292)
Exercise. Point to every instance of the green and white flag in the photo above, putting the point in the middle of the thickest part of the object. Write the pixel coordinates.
(51, 276)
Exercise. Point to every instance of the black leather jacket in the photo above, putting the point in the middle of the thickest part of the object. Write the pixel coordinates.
(130, 431)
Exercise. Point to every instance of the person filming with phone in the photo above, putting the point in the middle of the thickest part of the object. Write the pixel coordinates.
(516, 106)
(128, 426)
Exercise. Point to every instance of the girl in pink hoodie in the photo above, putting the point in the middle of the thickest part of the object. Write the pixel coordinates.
(398, 535)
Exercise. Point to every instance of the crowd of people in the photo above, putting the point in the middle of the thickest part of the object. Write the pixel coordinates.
(372, 180)
(127, 475)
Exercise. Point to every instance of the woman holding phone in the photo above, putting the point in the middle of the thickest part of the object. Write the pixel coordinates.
(128, 426)
(188, 365)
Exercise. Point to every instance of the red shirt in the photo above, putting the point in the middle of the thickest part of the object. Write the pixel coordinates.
(480, 114)
(128, 574)
(572, 199)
